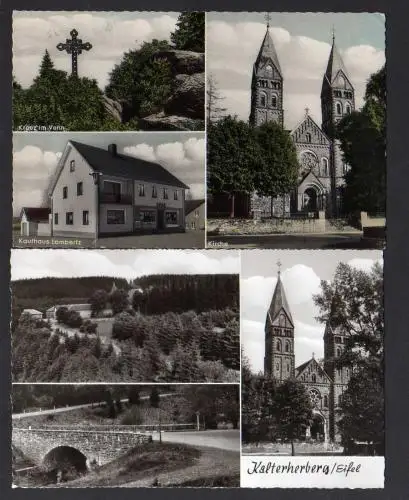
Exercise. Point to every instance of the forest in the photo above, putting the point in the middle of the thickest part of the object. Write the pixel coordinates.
(147, 340)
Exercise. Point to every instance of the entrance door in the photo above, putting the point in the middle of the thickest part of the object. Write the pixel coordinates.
(310, 200)
(317, 428)
(161, 216)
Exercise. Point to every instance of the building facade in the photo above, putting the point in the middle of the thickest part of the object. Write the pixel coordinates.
(101, 192)
(324, 382)
(195, 215)
(322, 168)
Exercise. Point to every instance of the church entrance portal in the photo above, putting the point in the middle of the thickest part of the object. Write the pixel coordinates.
(310, 200)
(317, 428)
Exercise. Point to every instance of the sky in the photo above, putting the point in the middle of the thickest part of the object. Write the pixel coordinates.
(127, 264)
(301, 274)
(303, 44)
(35, 158)
(110, 33)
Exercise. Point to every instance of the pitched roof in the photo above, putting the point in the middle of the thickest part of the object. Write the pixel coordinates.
(279, 301)
(31, 311)
(268, 51)
(299, 369)
(335, 64)
(191, 205)
(310, 124)
(36, 214)
(120, 165)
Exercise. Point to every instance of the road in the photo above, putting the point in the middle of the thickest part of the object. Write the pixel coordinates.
(72, 408)
(192, 239)
(295, 241)
(222, 439)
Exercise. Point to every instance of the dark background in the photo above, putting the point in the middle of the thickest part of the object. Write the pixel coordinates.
(396, 256)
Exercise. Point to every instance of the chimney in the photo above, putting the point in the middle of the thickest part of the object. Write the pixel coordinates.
(112, 149)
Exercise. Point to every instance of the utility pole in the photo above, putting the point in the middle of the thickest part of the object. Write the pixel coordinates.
(160, 428)
(198, 421)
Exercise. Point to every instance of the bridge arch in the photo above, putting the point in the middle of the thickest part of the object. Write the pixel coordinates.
(65, 456)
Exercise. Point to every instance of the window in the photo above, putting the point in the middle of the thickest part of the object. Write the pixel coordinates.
(282, 319)
(277, 366)
(324, 166)
(287, 347)
(278, 346)
(338, 352)
(69, 218)
(276, 331)
(196, 213)
(348, 109)
(288, 333)
(339, 108)
(193, 225)
(85, 218)
(269, 69)
(79, 189)
(56, 219)
(115, 216)
(165, 194)
(308, 137)
(288, 368)
(65, 192)
(345, 168)
(176, 195)
(147, 216)
(274, 101)
(141, 189)
(112, 187)
(263, 99)
(72, 165)
(340, 400)
(313, 377)
(337, 340)
(325, 401)
(171, 218)
(154, 192)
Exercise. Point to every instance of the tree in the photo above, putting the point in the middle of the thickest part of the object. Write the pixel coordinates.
(189, 32)
(124, 326)
(292, 410)
(232, 156)
(131, 81)
(119, 300)
(353, 301)
(154, 398)
(61, 314)
(363, 410)
(277, 170)
(98, 301)
(213, 110)
(362, 135)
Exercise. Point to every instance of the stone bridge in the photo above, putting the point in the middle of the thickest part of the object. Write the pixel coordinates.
(99, 444)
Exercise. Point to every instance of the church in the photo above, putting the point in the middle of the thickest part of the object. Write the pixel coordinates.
(320, 182)
(323, 381)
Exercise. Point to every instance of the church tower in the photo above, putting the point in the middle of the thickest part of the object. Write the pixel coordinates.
(267, 84)
(337, 92)
(279, 336)
(337, 101)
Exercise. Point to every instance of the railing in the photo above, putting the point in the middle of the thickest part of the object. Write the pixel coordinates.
(109, 427)
(122, 198)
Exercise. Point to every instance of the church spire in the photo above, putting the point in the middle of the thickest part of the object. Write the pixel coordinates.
(267, 50)
(279, 301)
(335, 63)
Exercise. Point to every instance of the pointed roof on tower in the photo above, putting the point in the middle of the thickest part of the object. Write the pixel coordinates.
(114, 287)
(279, 301)
(267, 51)
(335, 63)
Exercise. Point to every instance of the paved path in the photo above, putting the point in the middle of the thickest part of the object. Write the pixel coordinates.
(17, 416)
(192, 239)
(222, 439)
(294, 241)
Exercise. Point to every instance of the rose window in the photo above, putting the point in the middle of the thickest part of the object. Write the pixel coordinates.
(308, 160)
(315, 397)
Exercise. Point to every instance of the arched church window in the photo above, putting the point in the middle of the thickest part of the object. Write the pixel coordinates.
(274, 101)
(287, 347)
(315, 397)
(338, 352)
(282, 319)
(276, 331)
(325, 166)
(277, 366)
(325, 401)
(340, 400)
(288, 368)
(348, 109)
(263, 99)
(313, 377)
(278, 345)
(308, 137)
(339, 108)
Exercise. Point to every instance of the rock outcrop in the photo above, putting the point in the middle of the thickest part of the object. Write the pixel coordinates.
(185, 108)
(113, 108)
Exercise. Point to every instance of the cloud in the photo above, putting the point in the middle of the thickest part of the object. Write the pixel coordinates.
(121, 263)
(232, 49)
(364, 264)
(110, 35)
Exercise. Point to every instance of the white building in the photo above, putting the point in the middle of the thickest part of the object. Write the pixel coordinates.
(32, 313)
(101, 192)
(35, 221)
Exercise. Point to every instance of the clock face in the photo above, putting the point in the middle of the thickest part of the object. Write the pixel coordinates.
(308, 161)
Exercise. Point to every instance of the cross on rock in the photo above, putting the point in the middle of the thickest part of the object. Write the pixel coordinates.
(74, 46)
(267, 17)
